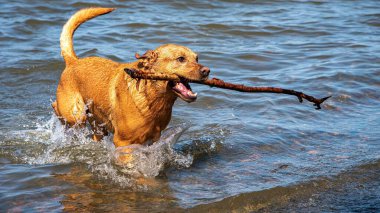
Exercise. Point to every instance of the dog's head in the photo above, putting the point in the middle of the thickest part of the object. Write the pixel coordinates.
(179, 60)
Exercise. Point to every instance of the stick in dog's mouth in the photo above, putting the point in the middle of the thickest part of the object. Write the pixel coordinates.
(183, 90)
(183, 93)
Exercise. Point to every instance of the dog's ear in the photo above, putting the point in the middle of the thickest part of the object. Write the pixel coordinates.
(147, 60)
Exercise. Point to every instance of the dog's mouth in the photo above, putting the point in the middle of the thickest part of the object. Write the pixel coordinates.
(183, 90)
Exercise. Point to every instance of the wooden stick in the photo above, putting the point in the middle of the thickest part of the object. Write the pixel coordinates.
(214, 82)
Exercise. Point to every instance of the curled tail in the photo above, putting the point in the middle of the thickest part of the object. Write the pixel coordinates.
(72, 24)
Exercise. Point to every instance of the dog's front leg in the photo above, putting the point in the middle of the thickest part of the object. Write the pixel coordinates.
(123, 152)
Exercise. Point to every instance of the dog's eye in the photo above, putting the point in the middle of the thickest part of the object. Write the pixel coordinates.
(196, 59)
(181, 59)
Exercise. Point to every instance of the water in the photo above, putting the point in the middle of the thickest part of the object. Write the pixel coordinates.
(244, 152)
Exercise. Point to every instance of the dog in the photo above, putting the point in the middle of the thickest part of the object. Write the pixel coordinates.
(98, 91)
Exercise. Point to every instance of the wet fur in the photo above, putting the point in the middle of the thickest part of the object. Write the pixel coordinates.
(98, 91)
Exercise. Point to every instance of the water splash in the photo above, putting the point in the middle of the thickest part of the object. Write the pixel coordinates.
(150, 160)
(52, 143)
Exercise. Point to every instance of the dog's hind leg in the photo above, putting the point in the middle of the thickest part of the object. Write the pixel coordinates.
(56, 112)
(71, 108)
(54, 105)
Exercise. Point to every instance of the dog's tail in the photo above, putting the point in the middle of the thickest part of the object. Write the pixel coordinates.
(72, 24)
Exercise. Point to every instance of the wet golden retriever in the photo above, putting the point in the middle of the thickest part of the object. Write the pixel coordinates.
(98, 90)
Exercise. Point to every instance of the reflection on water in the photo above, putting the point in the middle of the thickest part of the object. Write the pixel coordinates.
(247, 152)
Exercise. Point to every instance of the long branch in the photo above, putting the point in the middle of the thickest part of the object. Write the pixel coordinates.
(214, 82)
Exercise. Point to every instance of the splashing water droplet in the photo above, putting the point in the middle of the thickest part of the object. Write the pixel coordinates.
(149, 161)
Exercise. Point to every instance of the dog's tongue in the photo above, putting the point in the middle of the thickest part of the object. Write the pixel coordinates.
(185, 92)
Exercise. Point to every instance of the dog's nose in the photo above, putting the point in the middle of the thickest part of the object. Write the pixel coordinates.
(204, 71)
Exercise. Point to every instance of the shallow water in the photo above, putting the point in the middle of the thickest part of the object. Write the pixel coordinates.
(247, 152)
